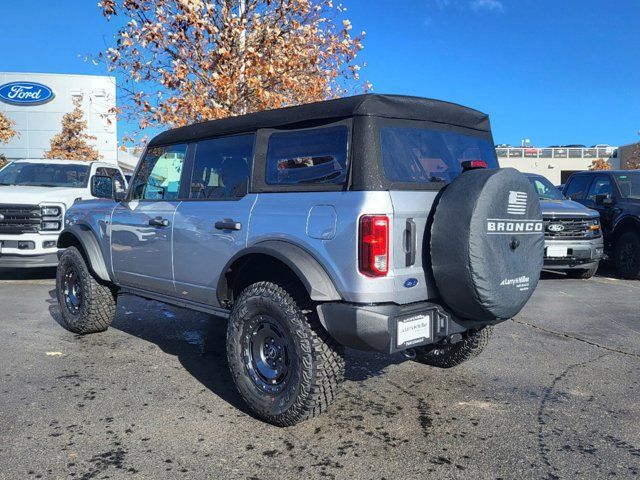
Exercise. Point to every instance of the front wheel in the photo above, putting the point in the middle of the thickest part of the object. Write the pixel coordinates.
(451, 355)
(87, 304)
(284, 364)
(626, 255)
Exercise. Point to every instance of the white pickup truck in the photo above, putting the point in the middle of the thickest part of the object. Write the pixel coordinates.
(34, 196)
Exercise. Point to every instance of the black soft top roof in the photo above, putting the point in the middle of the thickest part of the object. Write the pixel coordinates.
(373, 105)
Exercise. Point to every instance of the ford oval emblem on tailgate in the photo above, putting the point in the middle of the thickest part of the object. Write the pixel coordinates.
(410, 282)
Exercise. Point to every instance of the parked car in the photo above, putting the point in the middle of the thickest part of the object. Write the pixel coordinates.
(312, 228)
(616, 195)
(572, 236)
(603, 148)
(34, 196)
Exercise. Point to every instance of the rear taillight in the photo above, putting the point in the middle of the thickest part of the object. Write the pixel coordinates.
(373, 251)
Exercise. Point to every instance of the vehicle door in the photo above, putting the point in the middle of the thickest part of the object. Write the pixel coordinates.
(142, 225)
(212, 224)
(602, 185)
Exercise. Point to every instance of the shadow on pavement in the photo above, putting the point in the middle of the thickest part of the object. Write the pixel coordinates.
(27, 273)
(199, 343)
(196, 340)
(605, 270)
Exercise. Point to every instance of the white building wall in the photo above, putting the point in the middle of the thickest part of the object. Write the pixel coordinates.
(38, 123)
(552, 168)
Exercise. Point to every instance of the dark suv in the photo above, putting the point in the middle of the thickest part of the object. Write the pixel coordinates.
(616, 195)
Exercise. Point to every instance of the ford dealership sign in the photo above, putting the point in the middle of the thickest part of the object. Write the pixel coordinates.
(25, 93)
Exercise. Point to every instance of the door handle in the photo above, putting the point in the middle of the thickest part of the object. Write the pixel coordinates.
(228, 224)
(159, 222)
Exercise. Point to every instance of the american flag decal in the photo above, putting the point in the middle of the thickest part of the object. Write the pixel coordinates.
(517, 203)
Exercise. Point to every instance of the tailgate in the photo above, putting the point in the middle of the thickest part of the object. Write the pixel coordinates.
(411, 210)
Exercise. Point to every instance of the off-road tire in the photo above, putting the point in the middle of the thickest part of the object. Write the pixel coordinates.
(97, 298)
(584, 273)
(316, 370)
(451, 355)
(626, 255)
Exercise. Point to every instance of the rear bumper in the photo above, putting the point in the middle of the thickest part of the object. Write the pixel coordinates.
(28, 261)
(390, 328)
(579, 253)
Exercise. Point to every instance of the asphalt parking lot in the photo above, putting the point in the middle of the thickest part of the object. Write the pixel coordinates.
(554, 396)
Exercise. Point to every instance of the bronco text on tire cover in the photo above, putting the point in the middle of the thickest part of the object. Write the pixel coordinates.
(487, 244)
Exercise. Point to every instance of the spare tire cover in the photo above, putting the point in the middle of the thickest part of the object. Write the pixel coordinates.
(487, 243)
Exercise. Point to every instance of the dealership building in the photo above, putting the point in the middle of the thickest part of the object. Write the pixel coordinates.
(37, 102)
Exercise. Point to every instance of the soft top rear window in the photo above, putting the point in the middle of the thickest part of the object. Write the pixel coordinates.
(423, 155)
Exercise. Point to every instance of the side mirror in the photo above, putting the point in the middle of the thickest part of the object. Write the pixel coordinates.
(119, 191)
(102, 187)
(604, 200)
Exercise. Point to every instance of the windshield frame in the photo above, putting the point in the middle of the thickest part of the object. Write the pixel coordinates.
(546, 182)
(9, 170)
(616, 179)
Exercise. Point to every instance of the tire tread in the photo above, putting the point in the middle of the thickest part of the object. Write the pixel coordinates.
(318, 390)
(99, 297)
(452, 355)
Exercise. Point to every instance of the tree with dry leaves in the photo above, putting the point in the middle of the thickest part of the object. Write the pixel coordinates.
(186, 61)
(633, 157)
(7, 129)
(72, 143)
(600, 164)
(7, 132)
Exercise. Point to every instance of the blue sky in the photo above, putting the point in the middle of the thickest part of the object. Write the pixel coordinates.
(554, 71)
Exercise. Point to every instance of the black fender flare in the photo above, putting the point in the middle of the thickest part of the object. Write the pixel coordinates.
(87, 239)
(313, 276)
(622, 225)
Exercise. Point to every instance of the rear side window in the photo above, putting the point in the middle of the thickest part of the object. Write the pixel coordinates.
(577, 188)
(222, 168)
(420, 155)
(314, 156)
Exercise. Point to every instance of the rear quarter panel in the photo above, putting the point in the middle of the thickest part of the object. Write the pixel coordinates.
(306, 219)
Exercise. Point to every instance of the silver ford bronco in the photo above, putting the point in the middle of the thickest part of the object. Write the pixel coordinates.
(375, 222)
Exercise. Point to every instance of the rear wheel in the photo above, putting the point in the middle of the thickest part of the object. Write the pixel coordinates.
(582, 272)
(284, 364)
(451, 355)
(626, 255)
(87, 304)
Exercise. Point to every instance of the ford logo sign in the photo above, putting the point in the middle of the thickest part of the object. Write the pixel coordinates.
(555, 227)
(410, 282)
(25, 93)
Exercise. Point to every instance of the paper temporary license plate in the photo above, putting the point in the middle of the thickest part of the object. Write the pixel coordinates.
(553, 251)
(413, 330)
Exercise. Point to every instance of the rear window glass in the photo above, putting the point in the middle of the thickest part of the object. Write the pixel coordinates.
(419, 155)
(307, 156)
